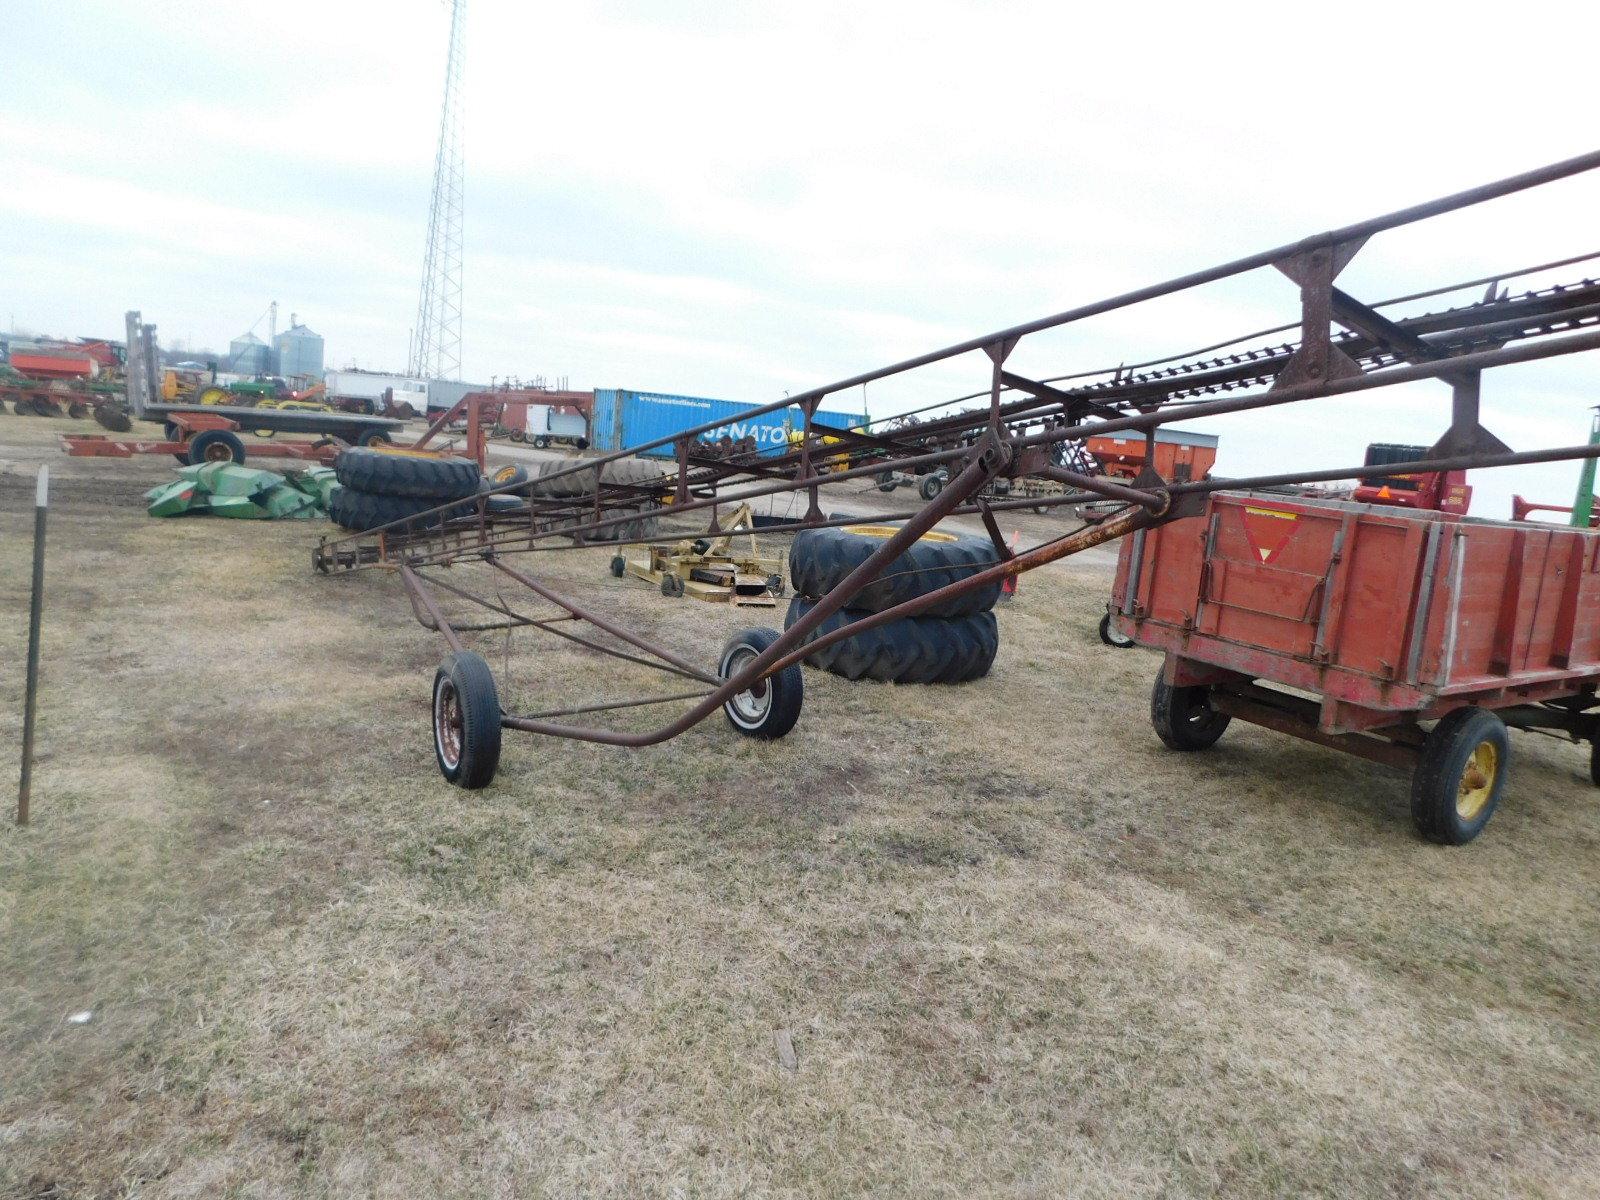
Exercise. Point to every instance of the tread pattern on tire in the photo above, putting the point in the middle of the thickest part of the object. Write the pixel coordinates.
(481, 733)
(404, 475)
(909, 650)
(581, 483)
(820, 559)
(1433, 783)
(360, 511)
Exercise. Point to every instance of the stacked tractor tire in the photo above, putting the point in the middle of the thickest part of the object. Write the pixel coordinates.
(953, 641)
(554, 479)
(379, 487)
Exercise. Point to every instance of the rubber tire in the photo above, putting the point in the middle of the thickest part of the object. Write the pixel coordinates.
(374, 437)
(202, 443)
(113, 417)
(787, 688)
(361, 512)
(819, 559)
(932, 484)
(480, 720)
(885, 481)
(541, 442)
(909, 650)
(672, 586)
(619, 566)
(513, 476)
(418, 478)
(1438, 775)
(1594, 762)
(581, 482)
(1108, 635)
(1183, 716)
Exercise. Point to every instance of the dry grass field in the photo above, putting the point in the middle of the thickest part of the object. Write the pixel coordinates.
(1020, 948)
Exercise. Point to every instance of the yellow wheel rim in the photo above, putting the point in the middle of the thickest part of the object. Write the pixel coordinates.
(888, 531)
(505, 474)
(1477, 781)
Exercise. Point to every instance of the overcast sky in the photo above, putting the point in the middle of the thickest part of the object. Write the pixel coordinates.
(739, 200)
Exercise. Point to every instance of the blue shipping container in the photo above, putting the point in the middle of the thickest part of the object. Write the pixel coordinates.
(624, 418)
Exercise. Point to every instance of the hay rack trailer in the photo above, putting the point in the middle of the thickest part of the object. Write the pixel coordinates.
(1337, 345)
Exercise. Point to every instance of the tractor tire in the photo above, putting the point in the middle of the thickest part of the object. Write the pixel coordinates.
(581, 482)
(910, 650)
(215, 445)
(1456, 787)
(24, 407)
(820, 559)
(212, 394)
(1183, 717)
(361, 512)
(46, 407)
(77, 410)
(466, 721)
(413, 476)
(512, 476)
(770, 708)
(113, 417)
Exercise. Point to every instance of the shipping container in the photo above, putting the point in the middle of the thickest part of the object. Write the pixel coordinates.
(624, 418)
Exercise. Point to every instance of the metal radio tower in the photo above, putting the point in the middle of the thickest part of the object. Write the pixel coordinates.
(436, 344)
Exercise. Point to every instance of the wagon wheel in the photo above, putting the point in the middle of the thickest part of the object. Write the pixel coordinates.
(1457, 785)
(466, 720)
(1183, 717)
(1111, 635)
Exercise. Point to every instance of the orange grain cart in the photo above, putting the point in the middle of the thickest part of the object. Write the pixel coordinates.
(1180, 454)
(1390, 617)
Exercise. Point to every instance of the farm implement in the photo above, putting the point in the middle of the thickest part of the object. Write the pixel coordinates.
(1426, 666)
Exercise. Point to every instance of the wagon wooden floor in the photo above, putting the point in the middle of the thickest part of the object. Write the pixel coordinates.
(1017, 947)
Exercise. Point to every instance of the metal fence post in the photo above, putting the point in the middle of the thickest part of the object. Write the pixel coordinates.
(41, 503)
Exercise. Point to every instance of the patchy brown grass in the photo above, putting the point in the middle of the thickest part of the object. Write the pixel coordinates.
(1022, 950)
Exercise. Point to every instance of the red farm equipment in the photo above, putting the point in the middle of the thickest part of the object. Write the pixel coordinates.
(1389, 615)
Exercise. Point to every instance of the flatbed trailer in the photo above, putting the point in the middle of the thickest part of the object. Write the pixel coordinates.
(351, 428)
(1351, 625)
(195, 434)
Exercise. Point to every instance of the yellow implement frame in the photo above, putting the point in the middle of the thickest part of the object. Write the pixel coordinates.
(708, 568)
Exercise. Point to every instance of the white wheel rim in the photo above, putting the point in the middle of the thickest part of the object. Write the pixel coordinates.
(746, 709)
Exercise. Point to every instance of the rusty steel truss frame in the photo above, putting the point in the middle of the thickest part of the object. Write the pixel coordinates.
(1344, 346)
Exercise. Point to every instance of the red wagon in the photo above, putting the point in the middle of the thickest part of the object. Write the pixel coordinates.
(1375, 619)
